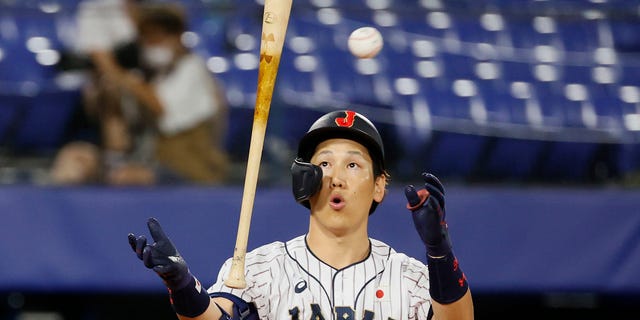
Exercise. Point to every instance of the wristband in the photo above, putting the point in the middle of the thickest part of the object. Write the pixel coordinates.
(447, 282)
(190, 301)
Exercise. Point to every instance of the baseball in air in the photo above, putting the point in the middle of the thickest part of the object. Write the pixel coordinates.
(365, 42)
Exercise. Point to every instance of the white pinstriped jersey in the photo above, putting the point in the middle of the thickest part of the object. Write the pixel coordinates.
(287, 281)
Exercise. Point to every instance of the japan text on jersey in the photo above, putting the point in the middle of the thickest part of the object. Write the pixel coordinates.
(287, 281)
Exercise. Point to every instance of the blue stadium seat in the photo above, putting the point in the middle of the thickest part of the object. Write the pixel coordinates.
(44, 121)
(607, 106)
(241, 80)
(462, 99)
(630, 74)
(453, 155)
(238, 135)
(355, 80)
(412, 122)
(22, 36)
(302, 79)
(625, 34)
(296, 71)
(19, 64)
(245, 23)
(435, 92)
(577, 73)
(290, 122)
(404, 61)
(576, 104)
(339, 66)
(35, 23)
(517, 71)
(550, 99)
(322, 35)
(525, 36)
(440, 25)
(524, 107)
(628, 98)
(459, 66)
(498, 101)
(211, 33)
(473, 29)
(580, 35)
(445, 153)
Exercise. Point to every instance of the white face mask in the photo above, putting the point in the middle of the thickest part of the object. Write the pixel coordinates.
(157, 57)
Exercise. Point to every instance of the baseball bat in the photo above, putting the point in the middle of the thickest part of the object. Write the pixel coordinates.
(274, 28)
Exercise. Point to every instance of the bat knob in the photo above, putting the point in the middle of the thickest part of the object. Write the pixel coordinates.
(236, 283)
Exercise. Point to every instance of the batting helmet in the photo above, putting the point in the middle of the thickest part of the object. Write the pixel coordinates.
(344, 124)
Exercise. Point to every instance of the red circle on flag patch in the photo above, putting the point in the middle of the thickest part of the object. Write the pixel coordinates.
(379, 294)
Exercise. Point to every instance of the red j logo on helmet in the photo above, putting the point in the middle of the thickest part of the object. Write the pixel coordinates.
(347, 121)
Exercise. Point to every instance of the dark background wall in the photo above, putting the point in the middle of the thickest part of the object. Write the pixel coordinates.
(543, 250)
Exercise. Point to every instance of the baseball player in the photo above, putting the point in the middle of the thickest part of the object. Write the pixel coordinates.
(334, 271)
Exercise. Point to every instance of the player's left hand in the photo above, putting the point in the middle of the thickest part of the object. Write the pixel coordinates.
(161, 256)
(427, 208)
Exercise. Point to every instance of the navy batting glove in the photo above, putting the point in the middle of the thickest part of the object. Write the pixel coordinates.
(427, 208)
(447, 281)
(161, 256)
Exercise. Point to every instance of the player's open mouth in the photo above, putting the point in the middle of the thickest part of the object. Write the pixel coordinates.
(336, 202)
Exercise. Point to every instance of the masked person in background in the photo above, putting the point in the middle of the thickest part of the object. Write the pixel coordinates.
(176, 95)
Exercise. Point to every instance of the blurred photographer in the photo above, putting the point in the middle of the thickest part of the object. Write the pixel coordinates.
(169, 114)
(177, 93)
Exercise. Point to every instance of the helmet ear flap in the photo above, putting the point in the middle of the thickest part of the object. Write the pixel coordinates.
(306, 180)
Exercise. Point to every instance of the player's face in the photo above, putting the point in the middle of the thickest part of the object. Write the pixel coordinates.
(348, 186)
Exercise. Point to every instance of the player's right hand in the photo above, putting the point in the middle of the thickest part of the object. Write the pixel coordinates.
(161, 256)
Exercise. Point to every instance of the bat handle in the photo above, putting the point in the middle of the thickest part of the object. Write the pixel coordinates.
(236, 278)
